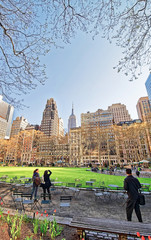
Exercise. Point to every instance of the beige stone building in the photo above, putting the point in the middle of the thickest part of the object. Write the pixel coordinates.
(97, 138)
(120, 113)
(143, 108)
(61, 128)
(19, 124)
(51, 151)
(75, 146)
(131, 142)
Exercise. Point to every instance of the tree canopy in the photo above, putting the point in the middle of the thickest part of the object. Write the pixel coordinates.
(28, 29)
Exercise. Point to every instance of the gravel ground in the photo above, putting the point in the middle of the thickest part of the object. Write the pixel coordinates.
(84, 203)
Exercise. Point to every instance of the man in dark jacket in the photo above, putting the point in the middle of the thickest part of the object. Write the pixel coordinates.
(131, 185)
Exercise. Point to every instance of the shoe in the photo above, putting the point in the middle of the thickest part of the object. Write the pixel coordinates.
(36, 200)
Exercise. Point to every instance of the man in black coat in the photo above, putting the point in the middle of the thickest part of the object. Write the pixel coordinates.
(131, 185)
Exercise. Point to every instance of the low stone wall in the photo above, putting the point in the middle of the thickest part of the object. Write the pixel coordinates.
(91, 235)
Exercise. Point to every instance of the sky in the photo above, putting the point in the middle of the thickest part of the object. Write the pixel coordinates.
(82, 73)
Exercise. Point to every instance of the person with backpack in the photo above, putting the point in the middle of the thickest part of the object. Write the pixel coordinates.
(36, 182)
(47, 184)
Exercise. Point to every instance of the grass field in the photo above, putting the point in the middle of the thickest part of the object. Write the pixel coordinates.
(68, 175)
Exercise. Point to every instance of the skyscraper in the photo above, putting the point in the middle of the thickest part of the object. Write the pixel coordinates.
(148, 86)
(120, 113)
(61, 128)
(143, 108)
(20, 123)
(72, 120)
(6, 114)
(50, 120)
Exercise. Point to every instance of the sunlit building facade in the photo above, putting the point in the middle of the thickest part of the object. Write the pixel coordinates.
(120, 113)
(6, 115)
(50, 119)
(143, 108)
(19, 124)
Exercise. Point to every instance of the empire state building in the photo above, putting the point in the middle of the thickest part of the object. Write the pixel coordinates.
(72, 120)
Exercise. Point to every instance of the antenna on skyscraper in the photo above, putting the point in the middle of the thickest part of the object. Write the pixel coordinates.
(72, 109)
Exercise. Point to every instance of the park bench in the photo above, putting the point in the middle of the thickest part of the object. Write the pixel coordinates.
(122, 228)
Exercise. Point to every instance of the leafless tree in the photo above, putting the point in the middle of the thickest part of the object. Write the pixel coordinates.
(28, 29)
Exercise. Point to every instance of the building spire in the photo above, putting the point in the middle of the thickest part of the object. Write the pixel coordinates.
(72, 109)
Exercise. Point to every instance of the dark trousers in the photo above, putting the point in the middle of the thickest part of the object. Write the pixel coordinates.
(133, 204)
(48, 191)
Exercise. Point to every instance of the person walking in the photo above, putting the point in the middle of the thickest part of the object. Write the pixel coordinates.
(47, 184)
(36, 183)
(137, 173)
(131, 185)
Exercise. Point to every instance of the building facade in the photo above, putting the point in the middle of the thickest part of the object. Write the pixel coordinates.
(120, 113)
(132, 143)
(50, 119)
(75, 147)
(97, 138)
(72, 123)
(19, 124)
(61, 127)
(6, 115)
(143, 108)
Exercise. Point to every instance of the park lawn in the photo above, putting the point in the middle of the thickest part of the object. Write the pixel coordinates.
(68, 175)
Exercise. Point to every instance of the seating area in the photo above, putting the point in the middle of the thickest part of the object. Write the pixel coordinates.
(99, 192)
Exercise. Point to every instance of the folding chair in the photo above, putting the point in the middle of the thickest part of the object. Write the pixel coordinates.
(70, 185)
(65, 201)
(47, 200)
(89, 186)
(52, 188)
(93, 180)
(17, 198)
(79, 185)
(99, 192)
(26, 200)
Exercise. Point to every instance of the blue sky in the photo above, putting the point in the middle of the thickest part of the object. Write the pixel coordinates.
(83, 73)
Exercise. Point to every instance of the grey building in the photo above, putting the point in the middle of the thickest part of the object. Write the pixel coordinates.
(148, 86)
(72, 123)
(6, 115)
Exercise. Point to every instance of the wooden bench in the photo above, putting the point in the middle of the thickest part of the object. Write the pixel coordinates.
(121, 228)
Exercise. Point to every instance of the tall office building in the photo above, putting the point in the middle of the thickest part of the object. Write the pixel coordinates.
(72, 123)
(148, 86)
(143, 108)
(19, 124)
(61, 128)
(6, 115)
(50, 120)
(120, 113)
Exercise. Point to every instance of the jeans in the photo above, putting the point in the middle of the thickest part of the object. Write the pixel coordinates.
(34, 191)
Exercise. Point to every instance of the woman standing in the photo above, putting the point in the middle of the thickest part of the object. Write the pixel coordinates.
(36, 183)
(47, 183)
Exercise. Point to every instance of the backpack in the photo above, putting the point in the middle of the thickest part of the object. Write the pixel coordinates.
(37, 181)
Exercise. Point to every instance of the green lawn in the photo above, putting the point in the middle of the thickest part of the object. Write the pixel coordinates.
(68, 175)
